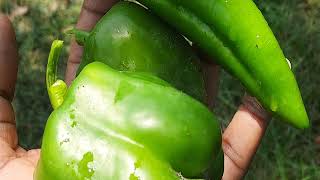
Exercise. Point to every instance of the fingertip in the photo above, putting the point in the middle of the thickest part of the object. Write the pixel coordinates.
(73, 62)
(7, 34)
(253, 106)
(5, 25)
(3, 18)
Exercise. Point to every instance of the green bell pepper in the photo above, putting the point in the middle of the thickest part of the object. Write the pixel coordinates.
(235, 34)
(129, 38)
(118, 125)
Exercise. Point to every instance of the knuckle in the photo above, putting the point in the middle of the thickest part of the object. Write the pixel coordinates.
(232, 154)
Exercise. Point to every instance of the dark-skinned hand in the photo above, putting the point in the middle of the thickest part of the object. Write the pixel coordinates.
(240, 139)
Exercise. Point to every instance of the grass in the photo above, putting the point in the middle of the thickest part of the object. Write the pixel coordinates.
(285, 153)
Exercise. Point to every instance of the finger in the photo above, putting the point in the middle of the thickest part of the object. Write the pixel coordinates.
(242, 137)
(8, 76)
(90, 14)
(211, 73)
(8, 59)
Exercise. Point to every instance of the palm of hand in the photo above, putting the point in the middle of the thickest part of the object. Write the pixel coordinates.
(17, 164)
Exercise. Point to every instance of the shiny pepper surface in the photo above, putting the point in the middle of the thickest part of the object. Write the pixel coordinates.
(120, 125)
(129, 38)
(235, 34)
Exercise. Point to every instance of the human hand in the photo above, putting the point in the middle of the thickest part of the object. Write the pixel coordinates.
(243, 135)
(15, 162)
(240, 140)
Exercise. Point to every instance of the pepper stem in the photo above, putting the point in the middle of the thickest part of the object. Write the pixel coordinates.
(56, 88)
(80, 35)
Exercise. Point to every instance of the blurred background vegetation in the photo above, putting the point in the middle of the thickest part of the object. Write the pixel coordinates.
(285, 153)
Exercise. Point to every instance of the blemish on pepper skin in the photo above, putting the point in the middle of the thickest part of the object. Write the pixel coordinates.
(137, 165)
(84, 167)
(64, 141)
(180, 176)
(74, 124)
(71, 164)
(133, 177)
(72, 116)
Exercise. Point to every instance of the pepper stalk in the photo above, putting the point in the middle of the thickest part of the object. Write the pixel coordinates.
(80, 35)
(57, 88)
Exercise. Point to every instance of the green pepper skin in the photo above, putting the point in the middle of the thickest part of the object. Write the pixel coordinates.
(235, 34)
(130, 38)
(119, 125)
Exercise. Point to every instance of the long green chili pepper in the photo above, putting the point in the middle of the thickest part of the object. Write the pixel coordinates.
(235, 34)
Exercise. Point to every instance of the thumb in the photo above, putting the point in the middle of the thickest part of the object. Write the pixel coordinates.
(8, 75)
